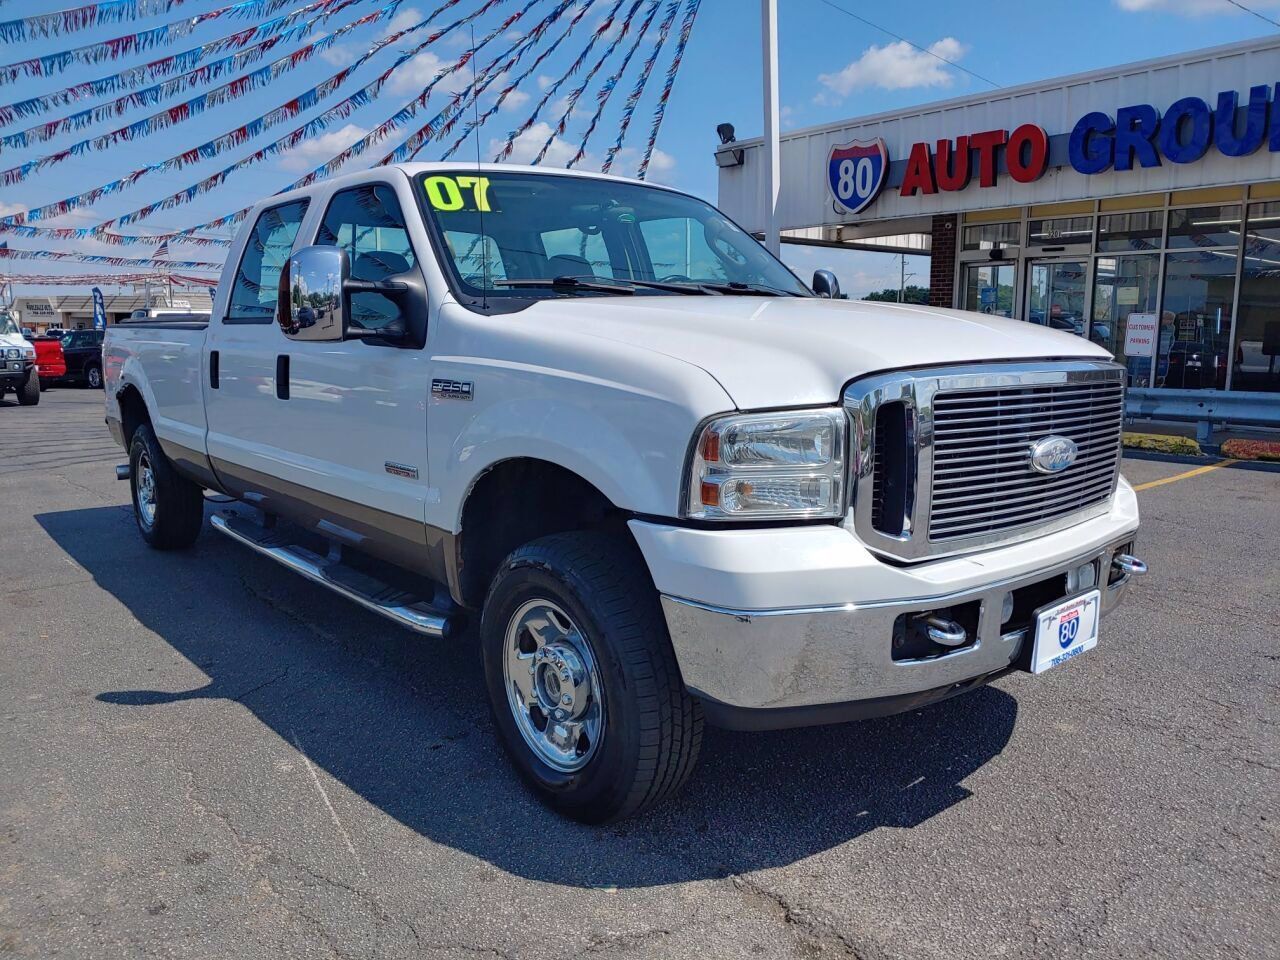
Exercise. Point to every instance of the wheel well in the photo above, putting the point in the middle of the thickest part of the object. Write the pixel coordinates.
(133, 412)
(520, 500)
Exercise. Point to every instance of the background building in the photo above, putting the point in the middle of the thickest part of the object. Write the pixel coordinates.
(74, 311)
(1138, 207)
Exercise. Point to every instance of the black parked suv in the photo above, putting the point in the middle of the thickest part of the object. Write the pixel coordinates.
(83, 352)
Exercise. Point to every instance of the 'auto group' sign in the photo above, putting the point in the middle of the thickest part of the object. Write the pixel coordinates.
(1137, 135)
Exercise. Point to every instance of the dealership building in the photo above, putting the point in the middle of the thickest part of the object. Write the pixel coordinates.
(1137, 206)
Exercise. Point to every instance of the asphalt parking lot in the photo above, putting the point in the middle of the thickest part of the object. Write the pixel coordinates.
(205, 756)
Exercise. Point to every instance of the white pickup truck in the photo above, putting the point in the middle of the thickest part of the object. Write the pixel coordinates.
(670, 480)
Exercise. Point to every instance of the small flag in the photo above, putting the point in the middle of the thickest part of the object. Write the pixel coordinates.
(161, 251)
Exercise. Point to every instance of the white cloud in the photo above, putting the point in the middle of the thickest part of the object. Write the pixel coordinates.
(515, 100)
(422, 69)
(530, 142)
(9, 209)
(315, 151)
(1190, 8)
(896, 66)
(544, 81)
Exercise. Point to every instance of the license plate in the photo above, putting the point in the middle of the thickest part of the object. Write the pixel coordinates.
(1066, 630)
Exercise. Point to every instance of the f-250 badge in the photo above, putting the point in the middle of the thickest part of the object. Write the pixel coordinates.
(453, 389)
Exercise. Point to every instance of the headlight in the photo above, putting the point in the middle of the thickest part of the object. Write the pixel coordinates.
(766, 466)
(13, 353)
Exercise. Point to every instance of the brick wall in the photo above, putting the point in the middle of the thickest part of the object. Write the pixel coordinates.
(942, 264)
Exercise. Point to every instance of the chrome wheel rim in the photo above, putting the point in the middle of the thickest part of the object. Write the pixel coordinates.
(95, 378)
(553, 686)
(146, 491)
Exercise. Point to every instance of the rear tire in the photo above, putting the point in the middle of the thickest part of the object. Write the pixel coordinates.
(602, 602)
(93, 377)
(29, 392)
(168, 508)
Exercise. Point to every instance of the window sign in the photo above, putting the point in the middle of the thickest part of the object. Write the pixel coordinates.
(1140, 334)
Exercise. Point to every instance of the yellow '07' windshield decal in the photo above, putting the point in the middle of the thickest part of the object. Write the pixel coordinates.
(451, 193)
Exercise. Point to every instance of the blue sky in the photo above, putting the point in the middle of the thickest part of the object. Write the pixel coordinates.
(832, 67)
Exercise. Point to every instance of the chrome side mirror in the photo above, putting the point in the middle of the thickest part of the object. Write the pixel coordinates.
(312, 294)
(826, 285)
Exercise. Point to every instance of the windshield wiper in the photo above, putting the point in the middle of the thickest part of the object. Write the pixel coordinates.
(734, 286)
(608, 285)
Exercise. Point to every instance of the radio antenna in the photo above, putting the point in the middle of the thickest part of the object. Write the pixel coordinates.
(480, 192)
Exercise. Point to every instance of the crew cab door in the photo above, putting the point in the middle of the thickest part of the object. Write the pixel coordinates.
(339, 429)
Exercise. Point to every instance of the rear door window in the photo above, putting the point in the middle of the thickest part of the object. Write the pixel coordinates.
(253, 297)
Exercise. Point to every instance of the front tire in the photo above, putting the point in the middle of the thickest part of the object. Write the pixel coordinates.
(29, 392)
(168, 508)
(583, 681)
(93, 377)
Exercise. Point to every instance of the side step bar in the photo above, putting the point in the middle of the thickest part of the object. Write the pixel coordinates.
(404, 609)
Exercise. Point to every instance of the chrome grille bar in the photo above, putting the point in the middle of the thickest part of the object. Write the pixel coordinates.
(972, 430)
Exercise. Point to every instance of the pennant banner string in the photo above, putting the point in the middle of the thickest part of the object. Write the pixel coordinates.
(686, 28)
(182, 112)
(341, 110)
(606, 91)
(82, 18)
(118, 239)
(571, 101)
(11, 253)
(134, 43)
(441, 125)
(646, 69)
(600, 31)
(514, 84)
(205, 73)
(356, 149)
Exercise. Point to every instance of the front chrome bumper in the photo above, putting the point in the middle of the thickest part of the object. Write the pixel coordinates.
(772, 668)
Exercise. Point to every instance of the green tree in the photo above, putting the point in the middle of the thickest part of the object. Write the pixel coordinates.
(911, 294)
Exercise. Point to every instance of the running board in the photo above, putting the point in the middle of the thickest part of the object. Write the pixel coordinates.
(371, 593)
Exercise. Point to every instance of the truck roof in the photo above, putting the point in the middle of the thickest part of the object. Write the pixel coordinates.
(413, 169)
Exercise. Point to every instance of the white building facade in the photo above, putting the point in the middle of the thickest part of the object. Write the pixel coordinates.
(1137, 206)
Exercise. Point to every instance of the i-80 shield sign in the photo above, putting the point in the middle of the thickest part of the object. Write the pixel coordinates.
(856, 171)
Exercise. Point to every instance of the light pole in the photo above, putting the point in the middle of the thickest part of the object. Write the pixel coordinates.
(772, 146)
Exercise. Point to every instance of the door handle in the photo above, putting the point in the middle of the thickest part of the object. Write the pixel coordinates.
(282, 376)
(213, 369)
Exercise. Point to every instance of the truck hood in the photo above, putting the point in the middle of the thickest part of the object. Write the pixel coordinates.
(780, 352)
(16, 340)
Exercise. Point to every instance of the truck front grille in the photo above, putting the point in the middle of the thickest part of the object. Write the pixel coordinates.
(982, 481)
(944, 457)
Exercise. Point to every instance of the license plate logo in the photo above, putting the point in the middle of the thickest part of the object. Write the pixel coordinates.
(1065, 631)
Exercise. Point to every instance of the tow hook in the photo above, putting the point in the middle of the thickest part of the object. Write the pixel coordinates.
(122, 471)
(1129, 565)
(946, 632)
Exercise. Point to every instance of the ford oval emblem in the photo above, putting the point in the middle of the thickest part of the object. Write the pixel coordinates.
(1053, 454)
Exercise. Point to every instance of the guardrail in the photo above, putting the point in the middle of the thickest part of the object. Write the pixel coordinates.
(1203, 407)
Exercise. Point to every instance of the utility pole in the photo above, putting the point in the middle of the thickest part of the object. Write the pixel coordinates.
(902, 278)
(772, 145)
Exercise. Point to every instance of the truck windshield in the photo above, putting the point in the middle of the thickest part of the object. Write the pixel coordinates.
(534, 235)
(7, 323)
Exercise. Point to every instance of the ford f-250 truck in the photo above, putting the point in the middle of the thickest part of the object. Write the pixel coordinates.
(672, 481)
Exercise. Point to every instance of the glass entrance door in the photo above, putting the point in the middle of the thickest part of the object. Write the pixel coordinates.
(1057, 294)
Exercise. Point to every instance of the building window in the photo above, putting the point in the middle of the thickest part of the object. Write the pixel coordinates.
(1059, 231)
(989, 236)
(1195, 319)
(1256, 364)
(1199, 227)
(1123, 232)
(988, 288)
(1123, 286)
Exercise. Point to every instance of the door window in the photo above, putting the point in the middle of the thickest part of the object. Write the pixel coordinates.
(988, 288)
(253, 297)
(368, 223)
(1056, 295)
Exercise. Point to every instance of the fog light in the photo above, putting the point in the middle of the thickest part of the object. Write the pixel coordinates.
(1087, 577)
(1006, 609)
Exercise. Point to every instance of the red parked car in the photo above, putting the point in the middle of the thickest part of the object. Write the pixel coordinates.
(50, 363)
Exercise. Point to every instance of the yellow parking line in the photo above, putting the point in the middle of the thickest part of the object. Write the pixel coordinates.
(1184, 476)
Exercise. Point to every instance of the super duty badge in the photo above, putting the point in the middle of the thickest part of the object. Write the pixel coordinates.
(452, 389)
